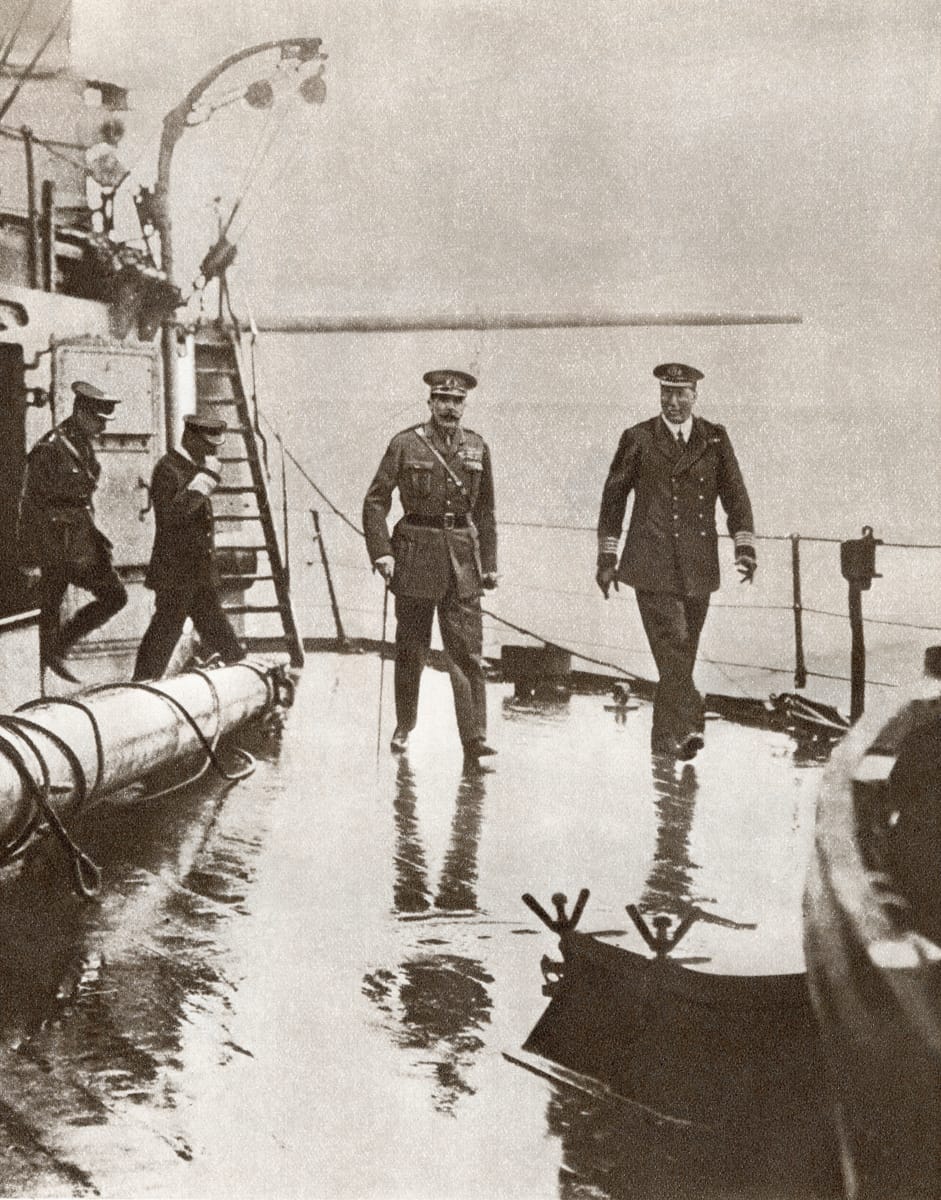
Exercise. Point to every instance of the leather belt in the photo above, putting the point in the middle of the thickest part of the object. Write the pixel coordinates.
(447, 521)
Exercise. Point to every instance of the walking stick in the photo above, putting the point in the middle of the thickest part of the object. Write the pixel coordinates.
(382, 664)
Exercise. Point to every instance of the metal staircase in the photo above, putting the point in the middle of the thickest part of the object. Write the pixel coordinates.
(252, 567)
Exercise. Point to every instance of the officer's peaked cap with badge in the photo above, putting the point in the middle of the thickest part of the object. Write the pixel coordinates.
(677, 375)
(449, 383)
(210, 429)
(95, 399)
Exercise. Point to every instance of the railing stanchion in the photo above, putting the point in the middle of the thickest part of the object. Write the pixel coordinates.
(318, 538)
(284, 514)
(800, 666)
(858, 566)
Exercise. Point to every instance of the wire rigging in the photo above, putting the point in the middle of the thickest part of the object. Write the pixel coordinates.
(269, 132)
(31, 66)
(11, 42)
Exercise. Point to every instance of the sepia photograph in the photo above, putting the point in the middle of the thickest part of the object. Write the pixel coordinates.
(470, 652)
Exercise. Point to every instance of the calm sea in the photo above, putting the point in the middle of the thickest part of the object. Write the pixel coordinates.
(552, 405)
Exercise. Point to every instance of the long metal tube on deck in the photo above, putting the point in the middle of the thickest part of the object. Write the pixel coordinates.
(139, 732)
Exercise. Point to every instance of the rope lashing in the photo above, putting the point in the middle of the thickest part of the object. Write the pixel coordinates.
(85, 872)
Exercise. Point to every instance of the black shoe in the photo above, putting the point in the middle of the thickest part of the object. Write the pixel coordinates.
(55, 664)
(399, 740)
(478, 748)
(689, 746)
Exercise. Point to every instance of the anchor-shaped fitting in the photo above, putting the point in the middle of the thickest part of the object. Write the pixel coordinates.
(562, 923)
(661, 942)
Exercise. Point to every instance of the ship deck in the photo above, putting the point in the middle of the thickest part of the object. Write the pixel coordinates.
(307, 985)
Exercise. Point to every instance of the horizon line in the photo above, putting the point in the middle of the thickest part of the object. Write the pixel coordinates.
(380, 323)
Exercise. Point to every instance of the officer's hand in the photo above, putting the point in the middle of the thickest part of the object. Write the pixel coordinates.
(31, 574)
(488, 581)
(604, 577)
(204, 483)
(385, 565)
(746, 568)
(211, 463)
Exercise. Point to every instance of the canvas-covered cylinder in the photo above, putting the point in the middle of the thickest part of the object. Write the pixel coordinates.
(120, 733)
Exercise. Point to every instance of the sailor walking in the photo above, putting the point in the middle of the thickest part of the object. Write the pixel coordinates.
(57, 535)
(183, 573)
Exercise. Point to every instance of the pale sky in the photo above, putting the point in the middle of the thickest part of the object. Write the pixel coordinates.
(641, 156)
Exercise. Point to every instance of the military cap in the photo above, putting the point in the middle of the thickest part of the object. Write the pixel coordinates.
(95, 399)
(449, 383)
(210, 429)
(677, 375)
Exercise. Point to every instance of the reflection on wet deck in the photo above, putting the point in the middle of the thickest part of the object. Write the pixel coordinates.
(304, 986)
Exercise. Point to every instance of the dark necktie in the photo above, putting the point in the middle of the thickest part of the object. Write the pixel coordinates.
(681, 444)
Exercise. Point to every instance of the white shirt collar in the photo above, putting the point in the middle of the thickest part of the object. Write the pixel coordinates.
(687, 427)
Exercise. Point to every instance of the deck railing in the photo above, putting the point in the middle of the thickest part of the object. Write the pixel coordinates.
(790, 576)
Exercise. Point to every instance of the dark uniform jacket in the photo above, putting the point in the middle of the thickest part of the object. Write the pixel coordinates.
(56, 518)
(429, 558)
(672, 542)
(182, 557)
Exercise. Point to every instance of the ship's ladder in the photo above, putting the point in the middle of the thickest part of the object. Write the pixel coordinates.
(254, 566)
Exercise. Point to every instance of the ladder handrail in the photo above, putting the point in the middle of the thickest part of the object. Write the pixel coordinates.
(247, 427)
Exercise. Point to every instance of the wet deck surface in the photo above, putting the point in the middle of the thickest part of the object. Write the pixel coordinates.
(305, 985)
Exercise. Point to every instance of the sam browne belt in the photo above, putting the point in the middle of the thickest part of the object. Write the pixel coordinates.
(446, 521)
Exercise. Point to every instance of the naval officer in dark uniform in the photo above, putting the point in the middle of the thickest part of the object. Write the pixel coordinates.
(677, 466)
(183, 572)
(57, 534)
(441, 554)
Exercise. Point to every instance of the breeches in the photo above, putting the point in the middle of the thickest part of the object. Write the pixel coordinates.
(104, 584)
(202, 605)
(673, 625)
(461, 626)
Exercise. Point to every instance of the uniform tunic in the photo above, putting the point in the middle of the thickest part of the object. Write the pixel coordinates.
(182, 571)
(442, 546)
(57, 533)
(670, 554)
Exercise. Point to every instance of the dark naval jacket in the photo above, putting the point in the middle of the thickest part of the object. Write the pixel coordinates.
(448, 535)
(56, 518)
(672, 542)
(182, 557)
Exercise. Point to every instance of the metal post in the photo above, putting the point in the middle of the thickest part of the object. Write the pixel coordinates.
(32, 219)
(48, 235)
(858, 566)
(284, 514)
(318, 538)
(800, 666)
(857, 653)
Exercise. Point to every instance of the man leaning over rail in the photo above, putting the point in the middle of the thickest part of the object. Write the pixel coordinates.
(441, 554)
(677, 467)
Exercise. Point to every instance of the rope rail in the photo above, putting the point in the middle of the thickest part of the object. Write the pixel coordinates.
(800, 671)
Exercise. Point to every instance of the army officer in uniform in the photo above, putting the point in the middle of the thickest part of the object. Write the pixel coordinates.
(441, 554)
(677, 466)
(183, 572)
(57, 533)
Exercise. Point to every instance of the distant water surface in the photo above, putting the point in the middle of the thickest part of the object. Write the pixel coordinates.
(552, 405)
